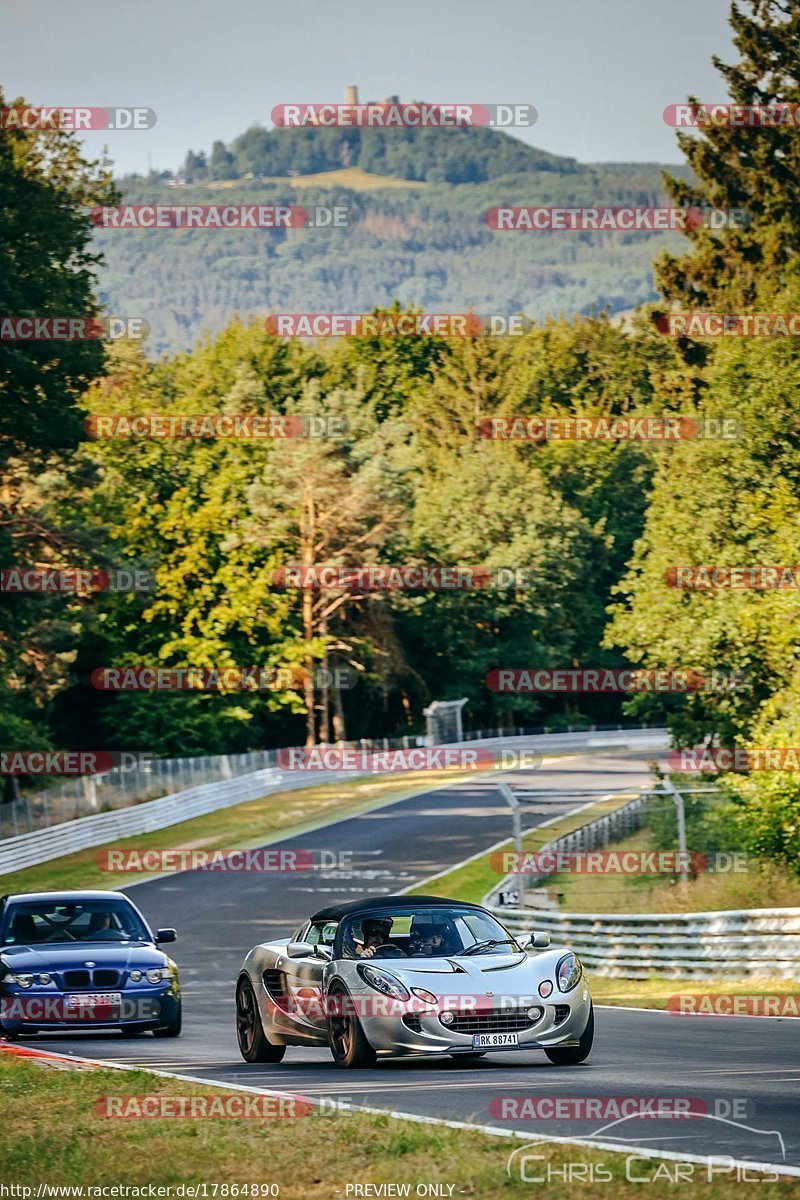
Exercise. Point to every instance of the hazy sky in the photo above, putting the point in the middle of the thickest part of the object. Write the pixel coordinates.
(600, 72)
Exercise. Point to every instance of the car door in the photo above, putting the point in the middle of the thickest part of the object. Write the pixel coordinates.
(304, 983)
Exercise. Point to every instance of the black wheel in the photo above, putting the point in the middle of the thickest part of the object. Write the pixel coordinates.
(347, 1040)
(171, 1030)
(568, 1056)
(253, 1044)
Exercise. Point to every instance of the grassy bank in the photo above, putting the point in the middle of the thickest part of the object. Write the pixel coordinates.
(475, 878)
(51, 1133)
(656, 992)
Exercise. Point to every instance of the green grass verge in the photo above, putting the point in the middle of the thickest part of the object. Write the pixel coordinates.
(51, 1133)
(475, 878)
(243, 826)
(762, 885)
(655, 992)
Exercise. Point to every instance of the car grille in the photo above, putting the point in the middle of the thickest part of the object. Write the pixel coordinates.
(413, 1021)
(101, 978)
(497, 1020)
(77, 979)
(562, 1012)
(104, 978)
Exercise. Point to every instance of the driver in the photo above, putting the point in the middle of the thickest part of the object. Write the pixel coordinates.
(376, 933)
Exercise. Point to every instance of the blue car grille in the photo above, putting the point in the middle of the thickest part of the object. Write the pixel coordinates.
(102, 977)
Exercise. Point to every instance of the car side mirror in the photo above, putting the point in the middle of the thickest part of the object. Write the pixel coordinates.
(538, 941)
(299, 950)
(324, 952)
(166, 935)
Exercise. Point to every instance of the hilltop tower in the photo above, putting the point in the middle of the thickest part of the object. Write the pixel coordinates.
(351, 93)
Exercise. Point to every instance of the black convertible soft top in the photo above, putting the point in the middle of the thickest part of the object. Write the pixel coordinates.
(334, 912)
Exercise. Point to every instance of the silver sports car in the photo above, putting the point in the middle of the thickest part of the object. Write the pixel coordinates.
(396, 975)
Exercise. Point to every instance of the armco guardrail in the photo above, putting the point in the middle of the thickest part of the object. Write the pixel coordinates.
(41, 845)
(758, 942)
(754, 942)
(598, 832)
(137, 779)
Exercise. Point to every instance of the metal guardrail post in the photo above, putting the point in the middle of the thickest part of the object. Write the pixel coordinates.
(681, 811)
(516, 824)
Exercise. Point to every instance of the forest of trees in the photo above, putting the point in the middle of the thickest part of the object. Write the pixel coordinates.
(597, 525)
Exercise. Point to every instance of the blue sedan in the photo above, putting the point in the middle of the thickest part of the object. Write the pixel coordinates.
(84, 960)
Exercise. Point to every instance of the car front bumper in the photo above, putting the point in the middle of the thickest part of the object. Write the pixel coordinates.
(391, 1034)
(151, 1008)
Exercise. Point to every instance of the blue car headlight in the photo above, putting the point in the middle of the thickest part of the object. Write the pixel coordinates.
(22, 979)
(568, 972)
(383, 982)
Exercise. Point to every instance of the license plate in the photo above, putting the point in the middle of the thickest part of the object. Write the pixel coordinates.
(482, 1041)
(96, 1000)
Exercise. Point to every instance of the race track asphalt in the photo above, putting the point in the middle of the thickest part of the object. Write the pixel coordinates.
(744, 1072)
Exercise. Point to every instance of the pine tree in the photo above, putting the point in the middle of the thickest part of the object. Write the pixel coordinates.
(752, 168)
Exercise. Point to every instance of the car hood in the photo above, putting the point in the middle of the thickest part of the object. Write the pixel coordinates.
(59, 957)
(508, 974)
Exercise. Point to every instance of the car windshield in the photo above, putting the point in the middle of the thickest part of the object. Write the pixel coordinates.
(31, 923)
(424, 932)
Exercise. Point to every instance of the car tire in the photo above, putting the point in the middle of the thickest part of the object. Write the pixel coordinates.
(171, 1030)
(569, 1056)
(254, 1046)
(346, 1038)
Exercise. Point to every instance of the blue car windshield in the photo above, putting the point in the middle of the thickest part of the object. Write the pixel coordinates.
(420, 932)
(32, 923)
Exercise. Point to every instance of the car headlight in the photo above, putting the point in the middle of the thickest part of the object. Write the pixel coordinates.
(156, 974)
(22, 979)
(383, 982)
(568, 972)
(135, 976)
(44, 978)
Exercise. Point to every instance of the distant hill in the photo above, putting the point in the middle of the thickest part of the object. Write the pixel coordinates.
(416, 232)
(455, 156)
